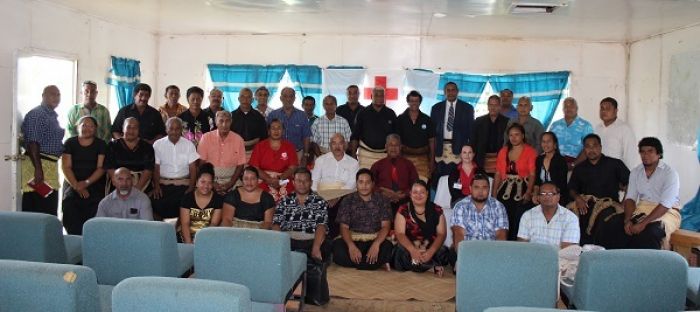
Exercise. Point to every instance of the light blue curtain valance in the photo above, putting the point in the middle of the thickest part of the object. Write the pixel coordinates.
(124, 75)
(307, 80)
(230, 79)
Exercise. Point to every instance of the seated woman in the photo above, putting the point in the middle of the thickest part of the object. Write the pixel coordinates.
(276, 159)
(133, 153)
(201, 208)
(551, 166)
(83, 188)
(420, 229)
(365, 220)
(248, 206)
(459, 181)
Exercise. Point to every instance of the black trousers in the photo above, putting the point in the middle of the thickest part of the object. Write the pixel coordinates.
(33, 202)
(611, 235)
(168, 206)
(341, 255)
(403, 261)
(76, 211)
(317, 292)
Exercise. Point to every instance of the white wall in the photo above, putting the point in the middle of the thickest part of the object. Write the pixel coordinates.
(37, 26)
(649, 80)
(598, 69)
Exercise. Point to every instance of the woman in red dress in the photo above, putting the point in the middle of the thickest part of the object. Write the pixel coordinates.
(276, 160)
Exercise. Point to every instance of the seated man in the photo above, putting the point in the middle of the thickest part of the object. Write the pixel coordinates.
(549, 223)
(596, 182)
(225, 150)
(175, 171)
(394, 173)
(304, 215)
(478, 217)
(126, 202)
(133, 153)
(651, 205)
(365, 220)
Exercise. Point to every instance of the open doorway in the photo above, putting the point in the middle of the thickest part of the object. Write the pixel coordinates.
(34, 72)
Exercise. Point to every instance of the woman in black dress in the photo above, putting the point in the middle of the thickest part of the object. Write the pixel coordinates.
(550, 166)
(249, 205)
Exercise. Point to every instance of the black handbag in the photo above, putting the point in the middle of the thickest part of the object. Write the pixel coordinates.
(317, 292)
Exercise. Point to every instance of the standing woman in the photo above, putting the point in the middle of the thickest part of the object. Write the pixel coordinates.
(195, 121)
(201, 208)
(515, 176)
(82, 160)
(248, 206)
(551, 166)
(276, 159)
(420, 230)
(459, 181)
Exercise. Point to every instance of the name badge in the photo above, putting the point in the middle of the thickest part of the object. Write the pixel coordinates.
(457, 185)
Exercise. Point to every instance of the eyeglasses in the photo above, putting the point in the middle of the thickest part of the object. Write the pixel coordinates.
(548, 194)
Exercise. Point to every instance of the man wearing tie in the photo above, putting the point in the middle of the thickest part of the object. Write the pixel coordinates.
(453, 119)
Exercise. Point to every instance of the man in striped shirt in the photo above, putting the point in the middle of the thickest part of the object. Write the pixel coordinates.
(329, 124)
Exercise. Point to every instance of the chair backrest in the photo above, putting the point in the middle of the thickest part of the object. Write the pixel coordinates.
(144, 294)
(631, 280)
(257, 259)
(32, 237)
(120, 248)
(497, 273)
(35, 286)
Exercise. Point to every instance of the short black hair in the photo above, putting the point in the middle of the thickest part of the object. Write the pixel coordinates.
(494, 97)
(414, 93)
(550, 183)
(352, 87)
(269, 125)
(610, 100)
(507, 90)
(480, 177)
(253, 170)
(307, 98)
(206, 168)
(142, 87)
(591, 136)
(174, 87)
(196, 90)
(652, 142)
(364, 171)
(450, 83)
(302, 170)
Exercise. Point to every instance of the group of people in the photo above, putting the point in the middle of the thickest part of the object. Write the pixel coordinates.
(366, 201)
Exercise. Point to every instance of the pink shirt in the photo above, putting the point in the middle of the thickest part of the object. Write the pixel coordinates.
(222, 153)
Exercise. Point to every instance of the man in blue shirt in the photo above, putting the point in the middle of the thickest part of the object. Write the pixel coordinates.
(570, 131)
(507, 108)
(296, 124)
(43, 142)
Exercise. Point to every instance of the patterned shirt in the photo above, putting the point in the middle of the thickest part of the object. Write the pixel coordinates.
(570, 136)
(296, 126)
(179, 109)
(41, 126)
(562, 228)
(291, 216)
(480, 225)
(323, 129)
(101, 113)
(364, 216)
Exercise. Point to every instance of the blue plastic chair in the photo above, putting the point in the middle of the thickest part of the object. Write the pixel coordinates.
(37, 237)
(498, 273)
(121, 248)
(169, 294)
(693, 289)
(258, 259)
(630, 280)
(34, 286)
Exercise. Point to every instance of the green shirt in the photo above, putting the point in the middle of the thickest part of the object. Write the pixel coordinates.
(101, 113)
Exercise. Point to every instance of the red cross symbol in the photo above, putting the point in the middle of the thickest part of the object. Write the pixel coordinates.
(390, 94)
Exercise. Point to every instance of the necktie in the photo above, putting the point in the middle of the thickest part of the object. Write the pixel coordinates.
(451, 117)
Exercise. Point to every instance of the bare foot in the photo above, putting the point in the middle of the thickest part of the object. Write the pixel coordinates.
(438, 270)
(387, 267)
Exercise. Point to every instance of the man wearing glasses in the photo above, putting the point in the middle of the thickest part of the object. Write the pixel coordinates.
(549, 223)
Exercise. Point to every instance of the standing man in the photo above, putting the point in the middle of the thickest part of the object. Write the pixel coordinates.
(618, 138)
(507, 108)
(374, 123)
(151, 125)
(295, 123)
(487, 138)
(90, 107)
(549, 223)
(453, 119)
(248, 122)
(309, 104)
(216, 97)
(262, 95)
(533, 127)
(172, 106)
(351, 108)
(328, 125)
(570, 132)
(417, 134)
(42, 136)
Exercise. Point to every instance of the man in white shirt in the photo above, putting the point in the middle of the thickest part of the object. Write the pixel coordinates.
(175, 170)
(335, 170)
(549, 223)
(652, 204)
(126, 201)
(617, 136)
(328, 125)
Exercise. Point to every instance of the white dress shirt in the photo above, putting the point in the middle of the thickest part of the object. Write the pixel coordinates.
(619, 142)
(174, 159)
(328, 170)
(663, 187)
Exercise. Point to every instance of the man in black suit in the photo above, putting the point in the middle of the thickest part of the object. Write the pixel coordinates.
(453, 119)
(487, 135)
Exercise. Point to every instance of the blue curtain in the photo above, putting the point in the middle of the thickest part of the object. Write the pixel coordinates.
(230, 79)
(124, 75)
(470, 86)
(545, 90)
(307, 82)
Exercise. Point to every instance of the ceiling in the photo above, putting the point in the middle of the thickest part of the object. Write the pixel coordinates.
(594, 20)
